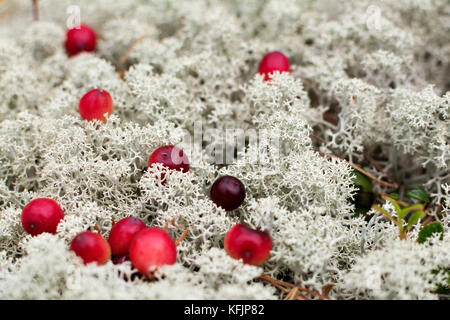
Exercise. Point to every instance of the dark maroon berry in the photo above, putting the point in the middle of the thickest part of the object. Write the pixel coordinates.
(228, 192)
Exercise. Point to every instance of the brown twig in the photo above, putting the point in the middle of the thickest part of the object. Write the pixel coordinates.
(134, 44)
(292, 294)
(185, 233)
(380, 182)
(326, 289)
(430, 219)
(377, 166)
(35, 10)
(277, 283)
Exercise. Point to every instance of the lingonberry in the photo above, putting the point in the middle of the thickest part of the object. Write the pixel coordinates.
(122, 233)
(152, 247)
(91, 247)
(41, 215)
(228, 192)
(94, 104)
(273, 61)
(252, 246)
(171, 157)
(79, 39)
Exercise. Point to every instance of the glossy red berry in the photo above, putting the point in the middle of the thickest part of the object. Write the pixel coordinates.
(80, 39)
(152, 247)
(94, 104)
(171, 157)
(41, 215)
(273, 61)
(91, 247)
(122, 233)
(228, 192)
(252, 246)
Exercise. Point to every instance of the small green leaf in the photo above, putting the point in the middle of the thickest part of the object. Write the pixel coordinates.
(419, 194)
(394, 195)
(414, 207)
(360, 179)
(428, 230)
(396, 206)
(414, 218)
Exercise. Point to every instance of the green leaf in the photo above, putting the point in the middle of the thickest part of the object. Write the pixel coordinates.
(394, 195)
(414, 207)
(360, 179)
(419, 194)
(397, 207)
(414, 218)
(428, 230)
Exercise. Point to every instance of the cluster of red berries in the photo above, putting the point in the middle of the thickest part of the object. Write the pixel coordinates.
(130, 239)
(149, 248)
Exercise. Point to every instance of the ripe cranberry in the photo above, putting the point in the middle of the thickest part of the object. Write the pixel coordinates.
(80, 39)
(122, 233)
(152, 247)
(41, 215)
(171, 157)
(273, 61)
(91, 247)
(228, 192)
(252, 246)
(94, 104)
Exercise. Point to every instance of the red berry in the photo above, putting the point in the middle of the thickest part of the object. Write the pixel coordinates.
(41, 215)
(171, 157)
(91, 247)
(122, 233)
(80, 39)
(152, 247)
(252, 246)
(228, 192)
(94, 104)
(273, 61)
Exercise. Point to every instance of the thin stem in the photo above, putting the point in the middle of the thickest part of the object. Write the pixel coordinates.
(134, 44)
(35, 10)
(377, 166)
(276, 283)
(380, 182)
(384, 213)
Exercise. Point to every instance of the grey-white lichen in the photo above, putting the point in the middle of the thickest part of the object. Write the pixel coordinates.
(365, 79)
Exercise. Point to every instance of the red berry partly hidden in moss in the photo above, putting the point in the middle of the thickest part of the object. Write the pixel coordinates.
(80, 39)
(122, 233)
(152, 247)
(171, 157)
(273, 61)
(228, 192)
(41, 215)
(91, 247)
(94, 104)
(252, 246)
